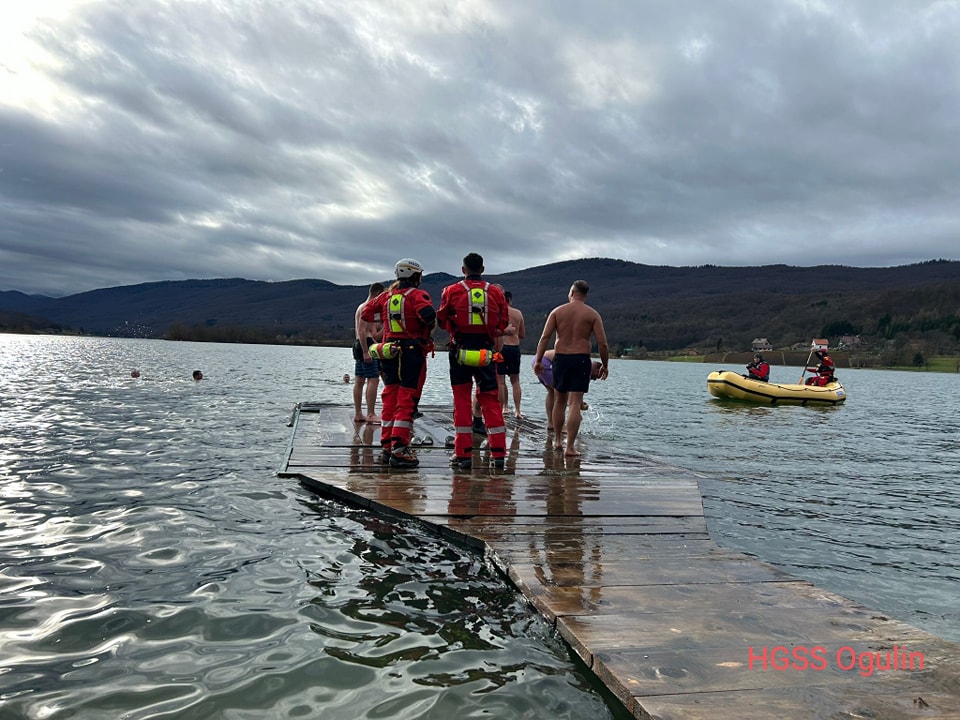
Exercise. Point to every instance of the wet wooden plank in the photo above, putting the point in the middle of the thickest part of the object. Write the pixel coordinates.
(894, 699)
(566, 548)
(626, 638)
(720, 684)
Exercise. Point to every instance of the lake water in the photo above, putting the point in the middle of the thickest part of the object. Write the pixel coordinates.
(152, 565)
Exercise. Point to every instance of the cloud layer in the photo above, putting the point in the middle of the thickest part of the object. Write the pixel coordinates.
(173, 140)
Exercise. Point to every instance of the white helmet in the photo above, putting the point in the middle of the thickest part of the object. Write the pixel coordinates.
(407, 268)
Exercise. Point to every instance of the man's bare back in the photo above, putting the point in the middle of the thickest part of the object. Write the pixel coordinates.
(515, 329)
(574, 324)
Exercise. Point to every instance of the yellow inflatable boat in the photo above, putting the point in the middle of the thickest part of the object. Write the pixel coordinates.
(731, 385)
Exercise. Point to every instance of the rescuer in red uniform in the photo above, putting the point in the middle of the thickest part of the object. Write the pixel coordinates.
(475, 313)
(407, 315)
(824, 371)
(759, 369)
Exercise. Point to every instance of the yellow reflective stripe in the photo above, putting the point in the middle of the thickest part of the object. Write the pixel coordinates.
(478, 306)
(476, 303)
(395, 312)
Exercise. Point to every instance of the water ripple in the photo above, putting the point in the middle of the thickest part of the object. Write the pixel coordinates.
(153, 566)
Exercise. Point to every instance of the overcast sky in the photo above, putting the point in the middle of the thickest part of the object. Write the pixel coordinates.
(143, 140)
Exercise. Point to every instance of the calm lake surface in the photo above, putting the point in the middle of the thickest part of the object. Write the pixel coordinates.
(152, 565)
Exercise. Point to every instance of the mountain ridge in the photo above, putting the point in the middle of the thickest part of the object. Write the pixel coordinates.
(643, 306)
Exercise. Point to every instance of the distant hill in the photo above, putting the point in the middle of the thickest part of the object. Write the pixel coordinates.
(650, 307)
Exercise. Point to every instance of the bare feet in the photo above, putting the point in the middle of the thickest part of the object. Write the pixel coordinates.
(571, 453)
(358, 419)
(373, 420)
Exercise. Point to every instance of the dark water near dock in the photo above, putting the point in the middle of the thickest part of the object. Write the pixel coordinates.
(153, 566)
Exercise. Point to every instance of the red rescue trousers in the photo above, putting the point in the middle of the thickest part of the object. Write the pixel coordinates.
(463, 417)
(402, 381)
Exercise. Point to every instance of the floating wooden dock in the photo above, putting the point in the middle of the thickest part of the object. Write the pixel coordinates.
(614, 551)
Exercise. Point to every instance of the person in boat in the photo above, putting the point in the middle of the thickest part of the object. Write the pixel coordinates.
(759, 369)
(824, 371)
(408, 318)
(475, 313)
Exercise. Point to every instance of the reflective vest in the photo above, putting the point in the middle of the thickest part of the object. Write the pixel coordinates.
(396, 317)
(476, 305)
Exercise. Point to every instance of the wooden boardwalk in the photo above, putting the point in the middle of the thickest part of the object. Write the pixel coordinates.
(614, 551)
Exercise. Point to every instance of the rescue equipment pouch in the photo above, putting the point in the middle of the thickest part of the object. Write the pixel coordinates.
(384, 350)
(478, 358)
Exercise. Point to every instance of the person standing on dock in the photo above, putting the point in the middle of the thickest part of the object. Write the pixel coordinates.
(408, 317)
(366, 370)
(575, 324)
(509, 368)
(475, 314)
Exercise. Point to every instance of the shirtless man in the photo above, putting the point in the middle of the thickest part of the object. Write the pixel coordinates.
(510, 367)
(366, 369)
(574, 324)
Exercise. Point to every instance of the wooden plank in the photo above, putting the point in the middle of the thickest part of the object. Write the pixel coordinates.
(663, 600)
(895, 700)
(660, 571)
(682, 684)
(521, 527)
(567, 548)
(496, 495)
(626, 638)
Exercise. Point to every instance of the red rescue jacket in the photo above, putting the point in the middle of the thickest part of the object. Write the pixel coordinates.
(405, 311)
(473, 307)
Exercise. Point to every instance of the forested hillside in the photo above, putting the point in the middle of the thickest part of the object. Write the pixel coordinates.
(646, 309)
